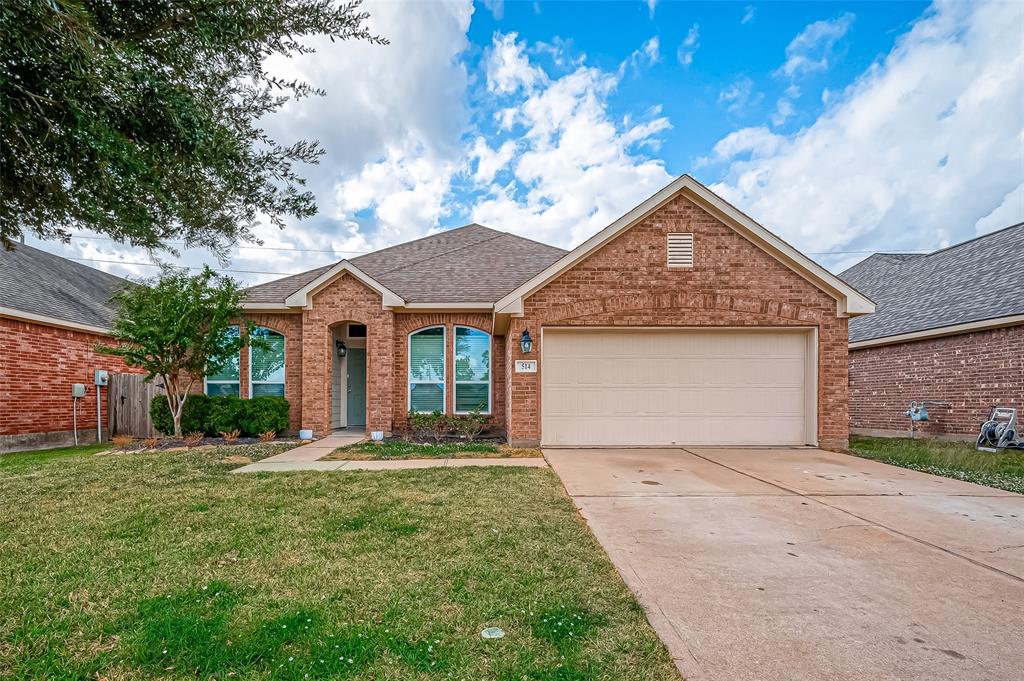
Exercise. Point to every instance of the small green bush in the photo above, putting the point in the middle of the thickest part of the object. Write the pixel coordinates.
(263, 414)
(420, 423)
(469, 425)
(193, 416)
(222, 415)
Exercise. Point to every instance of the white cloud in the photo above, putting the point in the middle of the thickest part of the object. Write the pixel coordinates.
(490, 161)
(783, 110)
(748, 14)
(508, 68)
(739, 95)
(911, 154)
(647, 54)
(813, 48)
(497, 8)
(689, 46)
(1009, 212)
(651, 4)
(575, 169)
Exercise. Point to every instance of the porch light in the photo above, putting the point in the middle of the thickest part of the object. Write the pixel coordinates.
(525, 342)
(340, 347)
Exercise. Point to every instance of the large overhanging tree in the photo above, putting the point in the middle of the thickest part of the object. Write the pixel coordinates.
(180, 327)
(139, 120)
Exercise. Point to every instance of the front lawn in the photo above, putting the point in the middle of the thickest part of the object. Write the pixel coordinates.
(401, 449)
(163, 565)
(960, 460)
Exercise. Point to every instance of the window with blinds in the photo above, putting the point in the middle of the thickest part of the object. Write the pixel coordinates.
(680, 250)
(472, 370)
(266, 364)
(224, 381)
(426, 370)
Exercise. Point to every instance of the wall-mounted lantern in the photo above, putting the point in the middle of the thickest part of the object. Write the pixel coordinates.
(525, 342)
(341, 348)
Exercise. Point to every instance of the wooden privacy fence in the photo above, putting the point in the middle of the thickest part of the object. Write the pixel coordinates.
(128, 405)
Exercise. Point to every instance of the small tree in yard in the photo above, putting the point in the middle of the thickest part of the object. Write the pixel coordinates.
(179, 327)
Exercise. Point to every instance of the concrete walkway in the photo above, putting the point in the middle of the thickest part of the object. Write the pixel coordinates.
(307, 458)
(802, 565)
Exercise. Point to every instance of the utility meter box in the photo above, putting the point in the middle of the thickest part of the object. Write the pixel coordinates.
(78, 390)
(101, 377)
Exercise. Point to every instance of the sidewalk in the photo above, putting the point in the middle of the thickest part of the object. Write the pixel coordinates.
(307, 458)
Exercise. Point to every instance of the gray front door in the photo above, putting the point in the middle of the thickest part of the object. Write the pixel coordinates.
(356, 388)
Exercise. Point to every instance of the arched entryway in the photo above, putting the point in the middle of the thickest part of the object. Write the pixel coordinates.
(348, 376)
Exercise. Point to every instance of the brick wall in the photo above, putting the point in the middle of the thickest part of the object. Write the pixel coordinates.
(732, 283)
(346, 299)
(38, 365)
(971, 371)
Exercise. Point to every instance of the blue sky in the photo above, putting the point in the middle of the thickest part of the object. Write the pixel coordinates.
(843, 127)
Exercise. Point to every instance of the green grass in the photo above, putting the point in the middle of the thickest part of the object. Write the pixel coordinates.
(400, 449)
(163, 565)
(20, 459)
(960, 460)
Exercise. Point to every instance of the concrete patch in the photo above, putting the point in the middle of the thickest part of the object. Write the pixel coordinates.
(779, 585)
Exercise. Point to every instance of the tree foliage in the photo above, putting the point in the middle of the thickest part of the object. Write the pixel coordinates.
(139, 119)
(179, 327)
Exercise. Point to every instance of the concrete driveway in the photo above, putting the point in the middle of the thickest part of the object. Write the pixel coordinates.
(804, 564)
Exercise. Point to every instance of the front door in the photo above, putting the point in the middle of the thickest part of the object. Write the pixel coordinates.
(355, 401)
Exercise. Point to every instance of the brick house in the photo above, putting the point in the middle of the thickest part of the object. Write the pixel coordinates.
(949, 329)
(53, 311)
(683, 322)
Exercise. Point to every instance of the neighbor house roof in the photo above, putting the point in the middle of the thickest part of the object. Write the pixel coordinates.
(47, 288)
(977, 280)
(472, 263)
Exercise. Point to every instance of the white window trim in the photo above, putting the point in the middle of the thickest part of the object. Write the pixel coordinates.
(444, 368)
(238, 381)
(490, 372)
(284, 383)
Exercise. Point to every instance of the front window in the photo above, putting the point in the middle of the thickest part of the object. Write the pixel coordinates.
(225, 381)
(472, 370)
(426, 370)
(266, 365)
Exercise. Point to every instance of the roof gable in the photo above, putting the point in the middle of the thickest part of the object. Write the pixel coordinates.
(850, 301)
(976, 280)
(472, 264)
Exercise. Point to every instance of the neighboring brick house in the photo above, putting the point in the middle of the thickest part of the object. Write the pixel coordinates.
(683, 322)
(53, 311)
(949, 329)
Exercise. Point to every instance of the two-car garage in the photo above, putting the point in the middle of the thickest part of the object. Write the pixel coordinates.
(681, 386)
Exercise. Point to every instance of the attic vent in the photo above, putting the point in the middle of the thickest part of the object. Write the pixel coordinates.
(680, 250)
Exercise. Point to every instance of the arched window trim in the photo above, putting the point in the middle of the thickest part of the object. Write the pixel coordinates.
(444, 367)
(284, 367)
(237, 382)
(490, 371)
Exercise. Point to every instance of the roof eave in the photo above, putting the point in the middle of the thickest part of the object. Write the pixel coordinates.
(302, 297)
(940, 331)
(46, 320)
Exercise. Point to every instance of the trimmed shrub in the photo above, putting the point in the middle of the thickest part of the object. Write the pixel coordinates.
(262, 414)
(193, 416)
(222, 415)
(469, 425)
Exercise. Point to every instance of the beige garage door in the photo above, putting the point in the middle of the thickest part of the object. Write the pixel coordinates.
(677, 387)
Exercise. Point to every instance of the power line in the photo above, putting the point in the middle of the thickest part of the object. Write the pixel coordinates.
(188, 267)
(258, 248)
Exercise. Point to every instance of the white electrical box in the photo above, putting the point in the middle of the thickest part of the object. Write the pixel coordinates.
(101, 377)
(78, 390)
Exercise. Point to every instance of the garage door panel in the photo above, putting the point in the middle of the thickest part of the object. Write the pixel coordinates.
(651, 388)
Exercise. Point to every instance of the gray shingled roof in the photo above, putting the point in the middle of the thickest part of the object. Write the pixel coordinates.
(42, 283)
(467, 264)
(976, 280)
